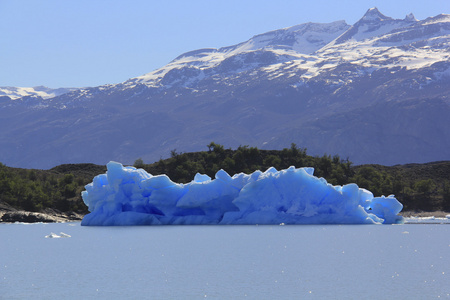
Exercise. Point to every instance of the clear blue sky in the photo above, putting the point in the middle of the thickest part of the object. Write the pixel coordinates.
(63, 43)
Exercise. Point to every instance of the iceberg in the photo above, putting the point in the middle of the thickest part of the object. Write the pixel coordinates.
(131, 196)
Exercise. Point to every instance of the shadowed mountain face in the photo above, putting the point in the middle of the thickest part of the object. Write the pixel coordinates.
(377, 92)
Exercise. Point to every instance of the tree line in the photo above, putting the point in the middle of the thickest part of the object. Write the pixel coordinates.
(420, 187)
(58, 188)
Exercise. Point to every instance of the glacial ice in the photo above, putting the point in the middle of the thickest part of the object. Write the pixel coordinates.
(56, 236)
(130, 196)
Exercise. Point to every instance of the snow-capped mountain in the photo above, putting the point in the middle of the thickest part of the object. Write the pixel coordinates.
(370, 42)
(38, 91)
(377, 91)
(262, 50)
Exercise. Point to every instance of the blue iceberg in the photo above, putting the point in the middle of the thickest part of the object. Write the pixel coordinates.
(130, 196)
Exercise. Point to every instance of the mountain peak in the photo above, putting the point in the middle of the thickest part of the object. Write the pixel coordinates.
(373, 14)
(410, 18)
(373, 22)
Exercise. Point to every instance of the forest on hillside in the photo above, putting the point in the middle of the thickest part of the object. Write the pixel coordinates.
(419, 187)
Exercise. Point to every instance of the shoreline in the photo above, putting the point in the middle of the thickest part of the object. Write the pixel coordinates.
(11, 215)
(47, 216)
(424, 214)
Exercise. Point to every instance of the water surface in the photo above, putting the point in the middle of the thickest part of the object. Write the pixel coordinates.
(225, 262)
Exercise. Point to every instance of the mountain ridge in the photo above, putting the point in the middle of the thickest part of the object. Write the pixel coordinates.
(263, 92)
(43, 92)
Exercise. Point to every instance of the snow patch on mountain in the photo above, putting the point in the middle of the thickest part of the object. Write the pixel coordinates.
(258, 52)
(39, 91)
(304, 38)
(310, 49)
(442, 18)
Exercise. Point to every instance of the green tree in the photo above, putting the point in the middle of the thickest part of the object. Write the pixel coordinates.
(424, 186)
(272, 161)
(68, 179)
(139, 163)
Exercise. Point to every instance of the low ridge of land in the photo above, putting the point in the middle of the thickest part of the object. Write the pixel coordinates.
(54, 195)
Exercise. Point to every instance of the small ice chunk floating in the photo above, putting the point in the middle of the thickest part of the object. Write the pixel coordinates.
(130, 196)
(56, 236)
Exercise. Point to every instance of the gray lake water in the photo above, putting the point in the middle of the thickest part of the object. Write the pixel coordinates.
(225, 262)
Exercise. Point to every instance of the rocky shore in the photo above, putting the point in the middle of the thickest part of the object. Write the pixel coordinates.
(424, 214)
(12, 215)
